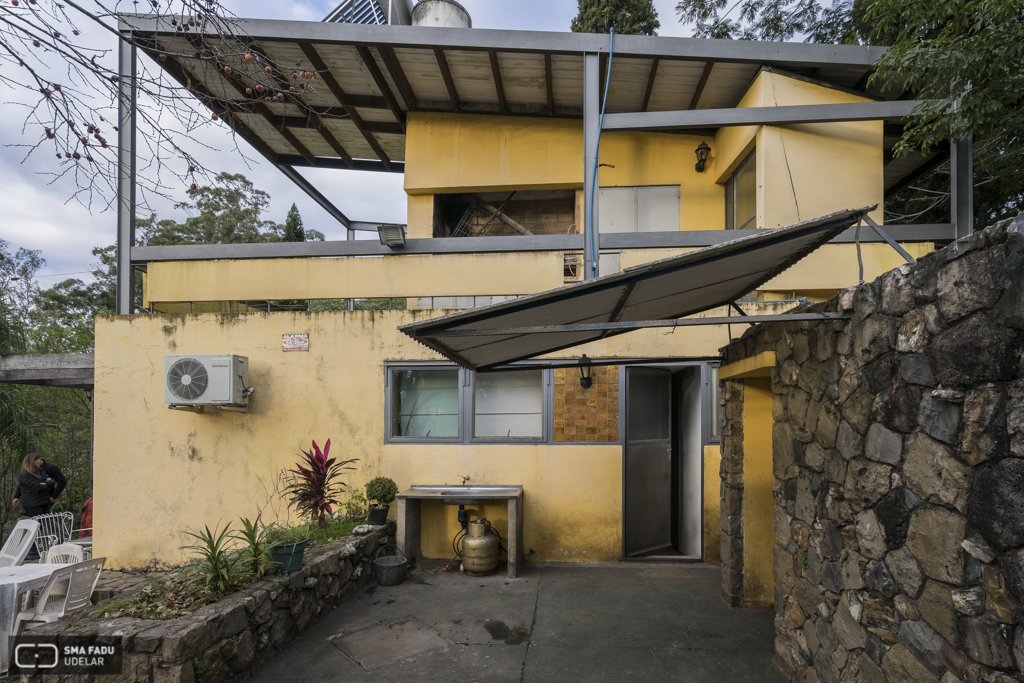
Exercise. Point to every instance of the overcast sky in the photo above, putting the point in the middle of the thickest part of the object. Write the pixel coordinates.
(38, 215)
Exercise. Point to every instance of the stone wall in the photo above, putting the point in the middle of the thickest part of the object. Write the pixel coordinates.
(898, 450)
(230, 639)
(732, 492)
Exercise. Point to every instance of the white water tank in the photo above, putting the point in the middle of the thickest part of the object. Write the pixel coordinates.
(441, 13)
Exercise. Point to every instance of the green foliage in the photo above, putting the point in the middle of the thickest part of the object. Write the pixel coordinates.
(254, 537)
(228, 212)
(838, 22)
(356, 505)
(803, 560)
(381, 489)
(313, 483)
(293, 230)
(629, 17)
(333, 530)
(218, 569)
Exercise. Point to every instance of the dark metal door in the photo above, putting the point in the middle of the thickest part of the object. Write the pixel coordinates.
(648, 460)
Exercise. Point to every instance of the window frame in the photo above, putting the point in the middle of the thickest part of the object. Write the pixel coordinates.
(730, 194)
(389, 404)
(467, 407)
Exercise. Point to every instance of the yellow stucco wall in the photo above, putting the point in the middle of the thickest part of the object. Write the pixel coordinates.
(758, 503)
(159, 472)
(712, 504)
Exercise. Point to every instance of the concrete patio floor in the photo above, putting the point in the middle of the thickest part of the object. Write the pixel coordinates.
(613, 622)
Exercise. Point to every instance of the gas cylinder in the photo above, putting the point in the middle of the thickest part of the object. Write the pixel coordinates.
(480, 549)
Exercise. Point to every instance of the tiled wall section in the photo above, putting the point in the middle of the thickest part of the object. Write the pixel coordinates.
(587, 414)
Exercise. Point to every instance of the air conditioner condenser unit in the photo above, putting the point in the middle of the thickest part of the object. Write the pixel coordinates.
(193, 381)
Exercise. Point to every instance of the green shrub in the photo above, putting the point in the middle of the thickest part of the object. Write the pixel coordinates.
(255, 550)
(356, 505)
(218, 568)
(382, 489)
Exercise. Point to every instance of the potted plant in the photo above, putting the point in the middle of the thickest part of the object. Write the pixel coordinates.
(289, 547)
(383, 490)
(311, 488)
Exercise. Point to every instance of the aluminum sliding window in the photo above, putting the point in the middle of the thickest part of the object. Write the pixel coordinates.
(436, 403)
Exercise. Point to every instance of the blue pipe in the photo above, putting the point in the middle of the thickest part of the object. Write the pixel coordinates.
(597, 154)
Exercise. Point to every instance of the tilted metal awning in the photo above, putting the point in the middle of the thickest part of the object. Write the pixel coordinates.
(482, 339)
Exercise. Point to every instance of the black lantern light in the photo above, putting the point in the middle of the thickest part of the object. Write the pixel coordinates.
(702, 155)
(586, 372)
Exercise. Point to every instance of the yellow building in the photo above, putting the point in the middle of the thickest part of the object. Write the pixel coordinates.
(495, 133)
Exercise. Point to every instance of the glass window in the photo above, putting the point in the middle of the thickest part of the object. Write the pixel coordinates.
(509, 405)
(425, 403)
(741, 196)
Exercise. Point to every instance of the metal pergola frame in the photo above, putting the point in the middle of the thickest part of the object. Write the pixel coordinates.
(594, 49)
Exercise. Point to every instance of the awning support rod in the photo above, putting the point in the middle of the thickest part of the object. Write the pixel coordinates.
(892, 243)
(632, 325)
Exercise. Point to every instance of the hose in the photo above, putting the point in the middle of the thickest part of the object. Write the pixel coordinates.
(593, 187)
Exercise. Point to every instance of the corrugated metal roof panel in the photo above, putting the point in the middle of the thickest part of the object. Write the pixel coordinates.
(670, 288)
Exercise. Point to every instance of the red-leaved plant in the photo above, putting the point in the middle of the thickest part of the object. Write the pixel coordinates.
(313, 483)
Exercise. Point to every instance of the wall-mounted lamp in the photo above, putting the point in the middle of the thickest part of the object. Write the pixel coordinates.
(586, 372)
(702, 155)
(392, 235)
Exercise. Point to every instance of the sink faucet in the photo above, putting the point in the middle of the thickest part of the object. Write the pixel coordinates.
(464, 479)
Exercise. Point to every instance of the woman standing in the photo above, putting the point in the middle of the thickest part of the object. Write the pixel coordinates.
(36, 490)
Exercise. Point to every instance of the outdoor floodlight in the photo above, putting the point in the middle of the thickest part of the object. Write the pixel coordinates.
(702, 155)
(392, 235)
(586, 372)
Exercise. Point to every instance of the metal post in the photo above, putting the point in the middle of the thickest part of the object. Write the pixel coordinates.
(961, 162)
(126, 177)
(350, 304)
(591, 130)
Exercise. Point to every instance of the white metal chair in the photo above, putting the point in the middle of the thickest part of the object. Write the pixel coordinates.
(18, 543)
(54, 529)
(81, 580)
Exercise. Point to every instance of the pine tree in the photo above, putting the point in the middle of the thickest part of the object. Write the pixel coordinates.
(293, 230)
(633, 17)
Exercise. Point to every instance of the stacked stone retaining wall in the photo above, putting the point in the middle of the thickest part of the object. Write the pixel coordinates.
(231, 638)
(898, 450)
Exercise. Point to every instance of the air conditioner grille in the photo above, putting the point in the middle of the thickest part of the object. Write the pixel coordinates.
(187, 379)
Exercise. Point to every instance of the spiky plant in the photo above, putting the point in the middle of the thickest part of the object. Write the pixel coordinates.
(313, 484)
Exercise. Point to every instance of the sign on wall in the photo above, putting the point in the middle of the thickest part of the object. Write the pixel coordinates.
(296, 341)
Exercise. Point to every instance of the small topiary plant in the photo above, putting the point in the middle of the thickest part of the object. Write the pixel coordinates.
(382, 489)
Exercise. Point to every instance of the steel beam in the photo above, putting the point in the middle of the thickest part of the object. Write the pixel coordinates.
(334, 162)
(591, 136)
(496, 245)
(701, 84)
(549, 86)
(759, 116)
(446, 74)
(314, 193)
(632, 325)
(382, 85)
(126, 105)
(889, 240)
(339, 94)
(788, 55)
(496, 75)
(394, 66)
(961, 161)
(650, 84)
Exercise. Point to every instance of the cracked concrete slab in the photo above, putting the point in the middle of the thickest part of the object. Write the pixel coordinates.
(617, 621)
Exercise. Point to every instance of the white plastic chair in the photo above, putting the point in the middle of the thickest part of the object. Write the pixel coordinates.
(81, 580)
(54, 529)
(65, 553)
(18, 543)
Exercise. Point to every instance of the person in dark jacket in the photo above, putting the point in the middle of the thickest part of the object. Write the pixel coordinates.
(37, 490)
(50, 470)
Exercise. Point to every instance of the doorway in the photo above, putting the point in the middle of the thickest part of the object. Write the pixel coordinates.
(663, 461)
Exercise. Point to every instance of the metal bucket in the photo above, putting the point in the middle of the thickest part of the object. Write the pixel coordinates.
(390, 569)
